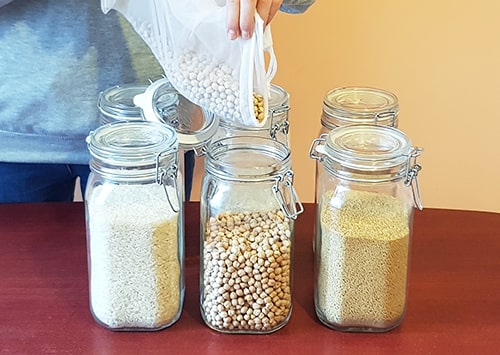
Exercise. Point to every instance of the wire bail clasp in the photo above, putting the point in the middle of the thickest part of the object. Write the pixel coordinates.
(276, 127)
(316, 151)
(292, 206)
(384, 115)
(170, 173)
(412, 170)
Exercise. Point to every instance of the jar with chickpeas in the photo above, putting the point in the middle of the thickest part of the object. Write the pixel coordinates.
(276, 126)
(367, 191)
(248, 207)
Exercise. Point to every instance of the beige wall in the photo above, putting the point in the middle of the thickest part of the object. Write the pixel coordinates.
(441, 58)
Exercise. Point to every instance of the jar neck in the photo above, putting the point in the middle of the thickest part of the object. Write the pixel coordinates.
(331, 121)
(135, 151)
(404, 172)
(247, 158)
(277, 121)
(151, 171)
(393, 173)
(262, 162)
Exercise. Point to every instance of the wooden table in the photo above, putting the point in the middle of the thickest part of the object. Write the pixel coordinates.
(453, 306)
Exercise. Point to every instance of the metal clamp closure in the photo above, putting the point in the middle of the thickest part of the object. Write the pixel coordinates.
(412, 169)
(384, 115)
(278, 127)
(313, 151)
(293, 207)
(171, 173)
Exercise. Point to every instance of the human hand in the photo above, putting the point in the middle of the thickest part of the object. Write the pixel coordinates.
(240, 19)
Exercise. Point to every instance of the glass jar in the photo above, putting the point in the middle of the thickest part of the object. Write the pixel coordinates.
(248, 208)
(117, 103)
(359, 105)
(134, 219)
(276, 127)
(366, 193)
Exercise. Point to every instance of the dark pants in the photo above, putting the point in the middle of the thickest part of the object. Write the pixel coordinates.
(24, 182)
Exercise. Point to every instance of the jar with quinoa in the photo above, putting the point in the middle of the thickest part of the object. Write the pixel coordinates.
(133, 207)
(248, 208)
(367, 190)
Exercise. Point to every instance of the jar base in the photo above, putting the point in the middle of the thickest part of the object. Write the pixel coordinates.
(356, 328)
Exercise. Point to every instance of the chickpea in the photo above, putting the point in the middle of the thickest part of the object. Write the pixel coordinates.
(253, 291)
(258, 107)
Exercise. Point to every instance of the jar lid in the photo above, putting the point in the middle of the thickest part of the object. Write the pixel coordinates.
(117, 102)
(131, 144)
(279, 105)
(162, 103)
(359, 105)
(368, 148)
(278, 97)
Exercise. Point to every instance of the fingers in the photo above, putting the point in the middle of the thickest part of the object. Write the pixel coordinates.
(263, 8)
(247, 17)
(240, 20)
(233, 18)
(273, 10)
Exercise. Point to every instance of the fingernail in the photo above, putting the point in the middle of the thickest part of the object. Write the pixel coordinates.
(246, 35)
(231, 34)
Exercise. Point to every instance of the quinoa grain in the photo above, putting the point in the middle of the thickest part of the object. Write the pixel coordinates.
(363, 257)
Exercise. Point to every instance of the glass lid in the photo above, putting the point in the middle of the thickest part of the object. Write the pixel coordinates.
(278, 97)
(361, 105)
(131, 143)
(118, 101)
(367, 147)
(161, 102)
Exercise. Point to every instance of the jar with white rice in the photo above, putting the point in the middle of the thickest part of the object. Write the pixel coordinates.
(134, 218)
(248, 208)
(366, 193)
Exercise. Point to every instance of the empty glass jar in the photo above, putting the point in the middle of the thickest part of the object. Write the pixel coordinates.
(248, 208)
(366, 192)
(134, 219)
(359, 105)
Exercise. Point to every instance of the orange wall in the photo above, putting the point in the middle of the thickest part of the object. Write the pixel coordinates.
(440, 58)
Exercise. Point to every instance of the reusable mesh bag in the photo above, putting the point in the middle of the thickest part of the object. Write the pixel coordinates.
(189, 40)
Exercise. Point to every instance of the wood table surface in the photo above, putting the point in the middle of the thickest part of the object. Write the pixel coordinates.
(453, 297)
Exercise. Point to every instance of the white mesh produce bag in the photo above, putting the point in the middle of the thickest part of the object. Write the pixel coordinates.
(189, 39)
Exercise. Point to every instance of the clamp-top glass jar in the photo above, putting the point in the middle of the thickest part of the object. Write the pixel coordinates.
(117, 103)
(276, 127)
(134, 218)
(248, 208)
(359, 105)
(366, 192)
